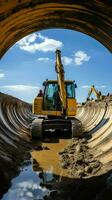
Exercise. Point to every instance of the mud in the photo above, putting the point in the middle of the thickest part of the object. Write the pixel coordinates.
(79, 159)
(88, 160)
(86, 178)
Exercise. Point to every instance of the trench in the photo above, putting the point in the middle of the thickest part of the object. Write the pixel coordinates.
(38, 165)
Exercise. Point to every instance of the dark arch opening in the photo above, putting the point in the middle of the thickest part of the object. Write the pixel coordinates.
(19, 19)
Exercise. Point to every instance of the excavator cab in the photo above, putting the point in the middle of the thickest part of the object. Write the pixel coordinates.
(51, 98)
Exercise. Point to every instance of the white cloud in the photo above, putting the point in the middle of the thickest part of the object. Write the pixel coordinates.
(80, 57)
(101, 86)
(29, 43)
(2, 75)
(47, 45)
(66, 60)
(85, 86)
(20, 88)
(27, 40)
(43, 59)
(40, 36)
(96, 86)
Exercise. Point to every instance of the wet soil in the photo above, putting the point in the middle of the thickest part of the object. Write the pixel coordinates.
(86, 178)
(67, 168)
(36, 174)
(79, 160)
(45, 157)
(10, 164)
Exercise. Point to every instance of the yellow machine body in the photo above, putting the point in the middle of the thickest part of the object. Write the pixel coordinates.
(38, 107)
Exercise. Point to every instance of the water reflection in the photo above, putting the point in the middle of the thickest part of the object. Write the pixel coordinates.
(47, 160)
(27, 186)
(35, 177)
(45, 176)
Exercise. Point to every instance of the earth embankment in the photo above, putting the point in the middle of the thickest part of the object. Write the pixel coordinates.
(96, 118)
(14, 137)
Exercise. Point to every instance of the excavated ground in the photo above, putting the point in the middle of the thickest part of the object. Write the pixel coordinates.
(78, 158)
(88, 160)
(88, 177)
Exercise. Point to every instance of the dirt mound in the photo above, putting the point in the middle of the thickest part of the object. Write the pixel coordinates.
(79, 160)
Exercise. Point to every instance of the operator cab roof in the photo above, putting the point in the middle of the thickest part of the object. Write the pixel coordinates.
(55, 81)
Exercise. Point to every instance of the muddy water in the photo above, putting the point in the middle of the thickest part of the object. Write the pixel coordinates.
(48, 159)
(35, 174)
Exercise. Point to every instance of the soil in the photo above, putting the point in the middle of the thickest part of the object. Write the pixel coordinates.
(79, 160)
(86, 178)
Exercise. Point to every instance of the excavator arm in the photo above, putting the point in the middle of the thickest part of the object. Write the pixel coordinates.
(96, 93)
(89, 93)
(61, 81)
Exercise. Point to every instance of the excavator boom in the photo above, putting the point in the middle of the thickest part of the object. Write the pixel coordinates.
(61, 81)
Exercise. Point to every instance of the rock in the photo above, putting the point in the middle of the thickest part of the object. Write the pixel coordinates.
(65, 156)
(71, 152)
(79, 161)
(62, 152)
(45, 148)
(84, 140)
(96, 164)
(81, 173)
(88, 169)
(78, 148)
(64, 165)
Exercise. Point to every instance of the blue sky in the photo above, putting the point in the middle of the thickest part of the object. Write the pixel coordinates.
(31, 60)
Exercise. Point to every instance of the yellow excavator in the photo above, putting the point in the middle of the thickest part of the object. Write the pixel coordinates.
(56, 109)
(97, 93)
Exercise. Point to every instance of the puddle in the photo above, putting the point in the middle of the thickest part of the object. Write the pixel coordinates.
(26, 186)
(48, 159)
(35, 176)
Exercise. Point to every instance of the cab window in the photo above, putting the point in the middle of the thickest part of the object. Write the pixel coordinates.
(70, 90)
